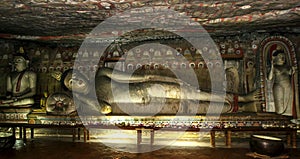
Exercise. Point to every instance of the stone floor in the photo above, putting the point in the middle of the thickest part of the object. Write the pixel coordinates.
(122, 145)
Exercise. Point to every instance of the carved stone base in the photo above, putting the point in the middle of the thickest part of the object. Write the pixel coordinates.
(14, 114)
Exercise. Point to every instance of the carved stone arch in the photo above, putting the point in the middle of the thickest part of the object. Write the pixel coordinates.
(267, 47)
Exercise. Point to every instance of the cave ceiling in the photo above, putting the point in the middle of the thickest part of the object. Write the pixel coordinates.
(72, 20)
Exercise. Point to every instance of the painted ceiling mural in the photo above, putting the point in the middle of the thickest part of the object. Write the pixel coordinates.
(72, 19)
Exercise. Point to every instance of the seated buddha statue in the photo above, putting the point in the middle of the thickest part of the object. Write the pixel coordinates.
(21, 84)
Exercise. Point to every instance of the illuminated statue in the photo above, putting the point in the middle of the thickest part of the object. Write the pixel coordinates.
(21, 84)
(281, 74)
(114, 86)
(232, 78)
(250, 76)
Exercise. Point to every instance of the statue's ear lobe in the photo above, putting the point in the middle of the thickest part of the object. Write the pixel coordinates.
(57, 75)
(27, 63)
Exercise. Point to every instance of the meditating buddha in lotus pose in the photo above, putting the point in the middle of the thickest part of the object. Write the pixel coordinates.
(21, 84)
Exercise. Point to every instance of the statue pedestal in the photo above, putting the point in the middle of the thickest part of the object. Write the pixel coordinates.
(14, 114)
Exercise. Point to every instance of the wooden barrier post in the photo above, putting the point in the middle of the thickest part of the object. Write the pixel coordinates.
(228, 138)
(213, 138)
(139, 136)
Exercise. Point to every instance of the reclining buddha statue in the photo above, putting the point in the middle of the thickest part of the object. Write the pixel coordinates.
(113, 86)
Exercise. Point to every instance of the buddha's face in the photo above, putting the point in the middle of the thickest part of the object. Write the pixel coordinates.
(20, 63)
(76, 82)
(280, 59)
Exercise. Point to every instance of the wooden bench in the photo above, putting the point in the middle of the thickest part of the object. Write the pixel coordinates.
(270, 123)
(291, 133)
(23, 129)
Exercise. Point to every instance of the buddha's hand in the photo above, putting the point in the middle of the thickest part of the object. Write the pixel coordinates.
(15, 99)
(293, 70)
(7, 101)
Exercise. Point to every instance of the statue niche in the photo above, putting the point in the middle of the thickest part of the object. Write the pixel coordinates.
(279, 76)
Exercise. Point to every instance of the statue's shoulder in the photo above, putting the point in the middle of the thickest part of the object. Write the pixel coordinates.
(104, 71)
(30, 73)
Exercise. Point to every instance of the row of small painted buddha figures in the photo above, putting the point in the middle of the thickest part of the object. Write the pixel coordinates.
(112, 86)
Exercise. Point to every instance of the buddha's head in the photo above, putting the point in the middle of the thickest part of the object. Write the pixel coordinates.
(75, 81)
(20, 63)
(279, 57)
